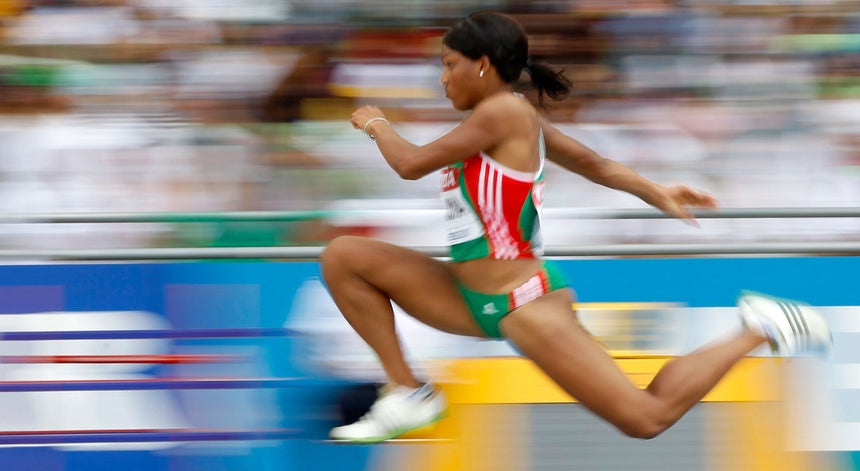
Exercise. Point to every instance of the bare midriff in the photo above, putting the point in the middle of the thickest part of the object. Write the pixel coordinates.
(489, 275)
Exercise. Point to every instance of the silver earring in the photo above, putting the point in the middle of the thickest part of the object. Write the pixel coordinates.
(481, 73)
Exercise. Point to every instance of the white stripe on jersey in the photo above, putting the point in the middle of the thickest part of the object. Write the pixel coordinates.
(482, 183)
(490, 202)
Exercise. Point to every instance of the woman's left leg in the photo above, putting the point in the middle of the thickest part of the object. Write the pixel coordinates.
(365, 275)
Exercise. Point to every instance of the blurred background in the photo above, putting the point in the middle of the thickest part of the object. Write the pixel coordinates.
(205, 105)
(213, 107)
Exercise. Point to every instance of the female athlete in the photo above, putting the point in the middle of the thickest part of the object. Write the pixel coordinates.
(496, 284)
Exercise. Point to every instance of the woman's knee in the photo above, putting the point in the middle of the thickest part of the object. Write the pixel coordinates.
(641, 429)
(337, 255)
(641, 423)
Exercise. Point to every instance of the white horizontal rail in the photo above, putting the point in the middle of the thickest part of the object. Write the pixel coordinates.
(313, 253)
(554, 213)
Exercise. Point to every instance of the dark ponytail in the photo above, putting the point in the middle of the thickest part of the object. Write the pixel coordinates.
(503, 40)
(548, 82)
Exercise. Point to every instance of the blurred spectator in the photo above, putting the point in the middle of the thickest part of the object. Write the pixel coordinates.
(308, 78)
(74, 25)
(11, 7)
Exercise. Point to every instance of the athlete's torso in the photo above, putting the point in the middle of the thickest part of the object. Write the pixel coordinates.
(492, 211)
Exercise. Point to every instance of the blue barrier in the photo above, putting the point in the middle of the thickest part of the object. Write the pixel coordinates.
(224, 308)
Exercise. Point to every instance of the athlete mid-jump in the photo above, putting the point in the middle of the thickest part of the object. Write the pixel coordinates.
(496, 284)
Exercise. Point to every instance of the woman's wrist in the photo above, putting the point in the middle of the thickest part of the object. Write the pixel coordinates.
(370, 121)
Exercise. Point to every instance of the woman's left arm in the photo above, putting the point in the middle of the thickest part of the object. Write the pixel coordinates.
(576, 157)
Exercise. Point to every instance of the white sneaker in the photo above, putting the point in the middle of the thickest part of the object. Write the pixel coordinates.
(397, 410)
(792, 328)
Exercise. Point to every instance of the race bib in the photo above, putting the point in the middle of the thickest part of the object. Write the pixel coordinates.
(461, 221)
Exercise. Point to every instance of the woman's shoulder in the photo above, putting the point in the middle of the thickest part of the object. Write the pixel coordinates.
(505, 106)
(504, 99)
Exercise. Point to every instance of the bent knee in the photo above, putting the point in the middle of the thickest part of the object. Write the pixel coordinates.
(640, 424)
(338, 252)
(644, 431)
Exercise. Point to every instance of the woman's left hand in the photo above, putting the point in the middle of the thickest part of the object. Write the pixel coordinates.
(680, 197)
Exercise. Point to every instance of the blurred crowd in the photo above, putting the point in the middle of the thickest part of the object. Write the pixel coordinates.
(207, 105)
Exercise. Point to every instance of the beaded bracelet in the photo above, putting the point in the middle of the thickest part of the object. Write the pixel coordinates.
(372, 120)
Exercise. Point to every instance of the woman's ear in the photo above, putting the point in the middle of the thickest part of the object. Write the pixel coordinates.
(485, 65)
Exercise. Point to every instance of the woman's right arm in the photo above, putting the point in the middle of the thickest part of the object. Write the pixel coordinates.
(482, 129)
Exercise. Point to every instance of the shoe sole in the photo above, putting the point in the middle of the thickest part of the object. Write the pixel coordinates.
(394, 434)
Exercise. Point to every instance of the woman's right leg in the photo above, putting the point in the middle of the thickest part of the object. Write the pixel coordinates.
(546, 330)
(365, 275)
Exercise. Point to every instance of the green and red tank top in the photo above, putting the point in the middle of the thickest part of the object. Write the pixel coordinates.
(492, 211)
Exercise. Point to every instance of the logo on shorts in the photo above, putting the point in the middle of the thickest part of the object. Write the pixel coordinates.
(490, 309)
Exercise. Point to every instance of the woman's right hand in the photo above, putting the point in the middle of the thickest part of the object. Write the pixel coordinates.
(362, 116)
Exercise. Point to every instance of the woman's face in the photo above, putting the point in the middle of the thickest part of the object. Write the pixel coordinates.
(459, 76)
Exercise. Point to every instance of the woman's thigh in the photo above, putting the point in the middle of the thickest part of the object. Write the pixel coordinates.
(422, 286)
(548, 332)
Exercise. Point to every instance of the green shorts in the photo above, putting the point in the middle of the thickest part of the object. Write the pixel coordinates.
(489, 309)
